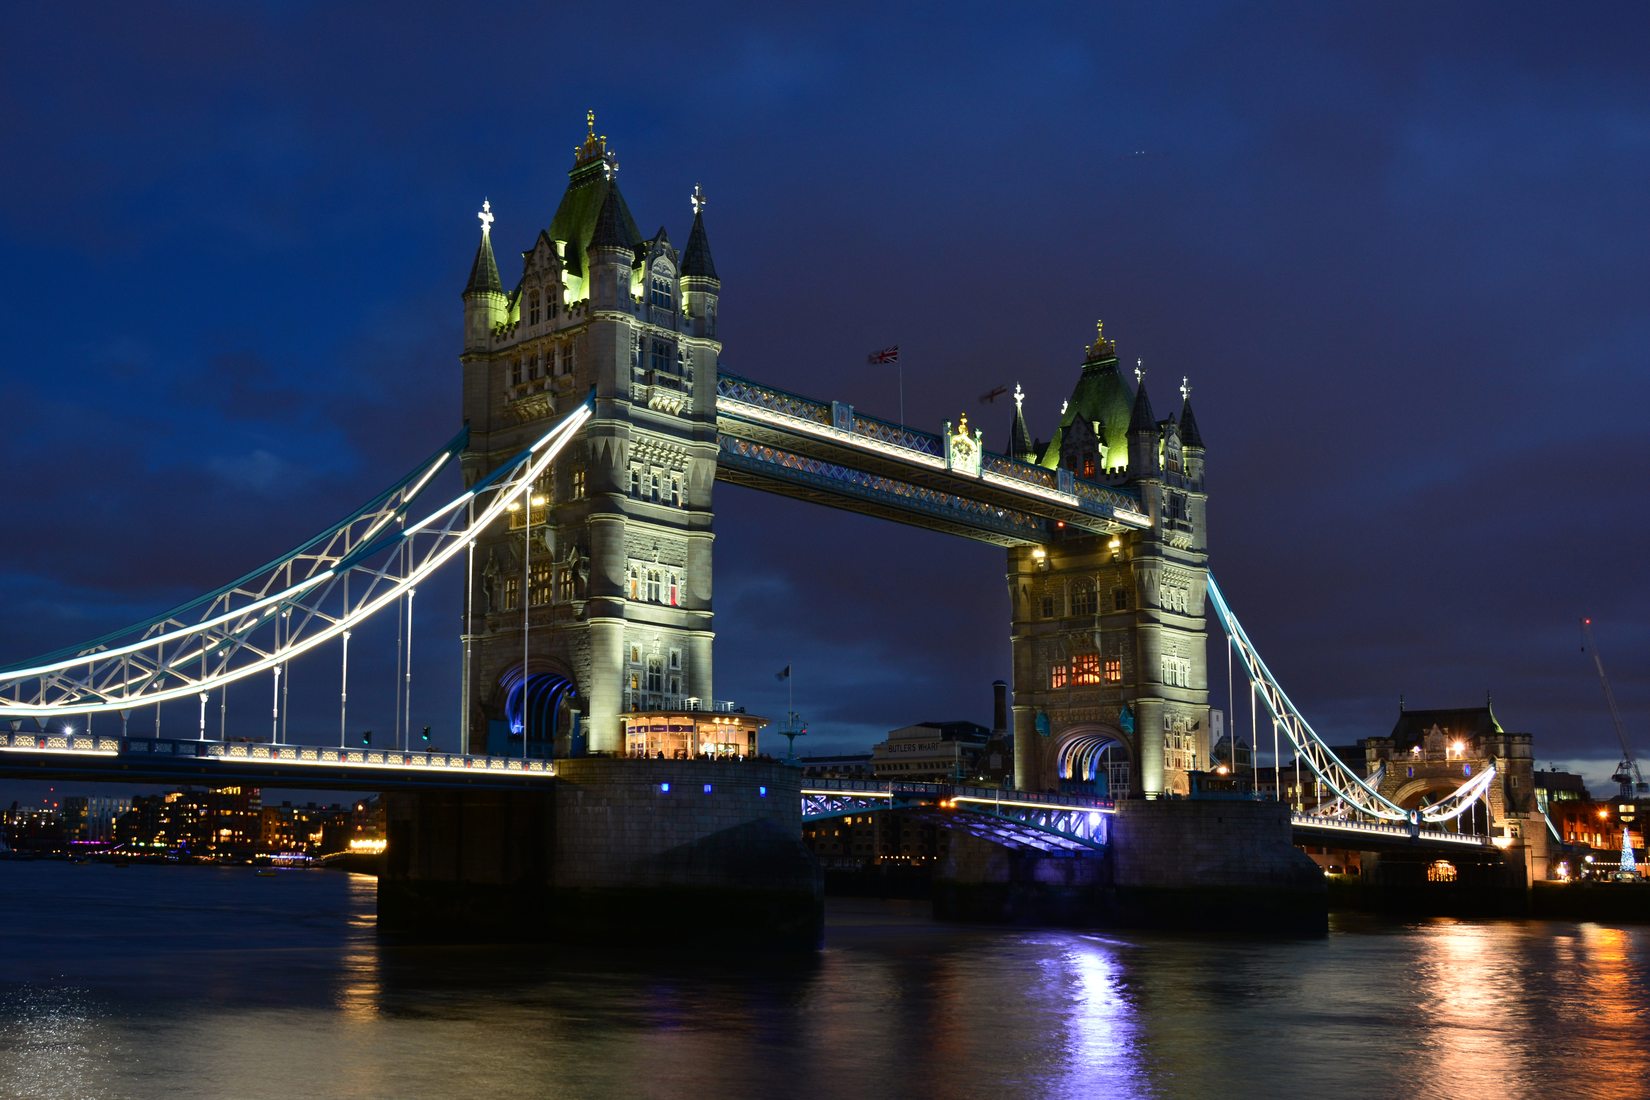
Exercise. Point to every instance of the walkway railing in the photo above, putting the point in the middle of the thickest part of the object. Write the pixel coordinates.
(157, 749)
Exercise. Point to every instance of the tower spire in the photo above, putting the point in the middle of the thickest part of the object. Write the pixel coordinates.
(696, 258)
(484, 269)
(1019, 439)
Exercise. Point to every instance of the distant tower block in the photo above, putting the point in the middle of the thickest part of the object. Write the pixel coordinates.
(1110, 635)
(595, 600)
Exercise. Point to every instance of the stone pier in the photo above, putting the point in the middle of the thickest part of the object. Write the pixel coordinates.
(1202, 866)
(654, 853)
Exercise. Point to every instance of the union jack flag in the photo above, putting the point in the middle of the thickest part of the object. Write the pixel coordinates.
(886, 355)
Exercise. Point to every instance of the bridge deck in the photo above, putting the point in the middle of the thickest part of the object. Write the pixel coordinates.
(218, 763)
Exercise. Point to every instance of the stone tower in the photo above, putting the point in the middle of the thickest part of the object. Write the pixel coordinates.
(1110, 632)
(594, 600)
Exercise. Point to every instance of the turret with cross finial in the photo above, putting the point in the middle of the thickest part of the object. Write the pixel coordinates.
(1102, 348)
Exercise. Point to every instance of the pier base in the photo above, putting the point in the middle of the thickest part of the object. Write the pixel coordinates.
(639, 852)
(1202, 866)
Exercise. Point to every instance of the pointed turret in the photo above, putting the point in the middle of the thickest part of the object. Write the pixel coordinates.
(1140, 417)
(610, 230)
(1144, 433)
(485, 306)
(484, 269)
(1019, 437)
(696, 260)
(1189, 435)
(700, 286)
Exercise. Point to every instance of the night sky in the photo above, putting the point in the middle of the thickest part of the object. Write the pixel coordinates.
(1402, 251)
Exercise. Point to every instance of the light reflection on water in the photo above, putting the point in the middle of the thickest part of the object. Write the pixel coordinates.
(202, 982)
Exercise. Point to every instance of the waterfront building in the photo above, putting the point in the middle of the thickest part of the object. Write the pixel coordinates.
(939, 751)
(851, 765)
(92, 817)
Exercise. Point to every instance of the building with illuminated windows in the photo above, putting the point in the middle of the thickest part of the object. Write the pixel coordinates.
(593, 603)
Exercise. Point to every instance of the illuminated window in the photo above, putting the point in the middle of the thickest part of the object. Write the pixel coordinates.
(1114, 670)
(635, 589)
(539, 591)
(1085, 668)
(510, 593)
(1088, 466)
(578, 483)
(564, 584)
(1057, 675)
(674, 590)
(653, 585)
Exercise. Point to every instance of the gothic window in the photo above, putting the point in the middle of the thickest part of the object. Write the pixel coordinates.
(653, 480)
(675, 590)
(539, 591)
(577, 486)
(1177, 672)
(1120, 599)
(659, 358)
(1082, 598)
(661, 294)
(517, 373)
(1048, 606)
(1088, 466)
(510, 593)
(1114, 670)
(1085, 668)
(676, 490)
(564, 584)
(676, 660)
(1058, 675)
(635, 587)
(655, 675)
(653, 585)
(533, 308)
(635, 482)
(635, 654)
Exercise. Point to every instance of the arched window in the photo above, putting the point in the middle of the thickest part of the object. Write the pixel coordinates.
(661, 293)
(1082, 597)
(533, 307)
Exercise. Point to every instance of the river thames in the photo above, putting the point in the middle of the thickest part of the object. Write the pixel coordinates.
(215, 982)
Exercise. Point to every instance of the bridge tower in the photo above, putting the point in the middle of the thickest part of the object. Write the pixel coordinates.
(1110, 633)
(595, 599)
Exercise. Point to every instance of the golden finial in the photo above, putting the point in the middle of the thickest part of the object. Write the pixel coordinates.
(590, 121)
(962, 423)
(1102, 347)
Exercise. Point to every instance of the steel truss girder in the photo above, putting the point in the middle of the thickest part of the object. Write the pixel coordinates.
(775, 469)
(258, 623)
(1045, 825)
(1350, 787)
(835, 433)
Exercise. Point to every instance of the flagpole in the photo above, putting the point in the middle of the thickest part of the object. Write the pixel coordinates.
(901, 393)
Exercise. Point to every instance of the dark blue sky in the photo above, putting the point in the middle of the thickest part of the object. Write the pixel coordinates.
(1402, 250)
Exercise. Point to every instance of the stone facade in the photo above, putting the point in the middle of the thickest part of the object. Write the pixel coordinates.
(595, 598)
(1110, 633)
(1430, 753)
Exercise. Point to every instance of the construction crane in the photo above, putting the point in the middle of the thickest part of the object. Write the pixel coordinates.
(1627, 777)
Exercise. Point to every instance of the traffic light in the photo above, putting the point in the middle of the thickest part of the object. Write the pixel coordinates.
(366, 737)
(426, 735)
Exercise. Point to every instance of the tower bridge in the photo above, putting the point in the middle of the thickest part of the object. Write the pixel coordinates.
(597, 420)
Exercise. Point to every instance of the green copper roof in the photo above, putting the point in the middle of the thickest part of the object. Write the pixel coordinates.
(484, 271)
(1102, 398)
(696, 260)
(581, 206)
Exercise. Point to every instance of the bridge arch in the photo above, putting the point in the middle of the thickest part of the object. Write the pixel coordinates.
(532, 710)
(1094, 758)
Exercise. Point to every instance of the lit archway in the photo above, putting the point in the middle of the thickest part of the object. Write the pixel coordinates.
(1094, 760)
(538, 712)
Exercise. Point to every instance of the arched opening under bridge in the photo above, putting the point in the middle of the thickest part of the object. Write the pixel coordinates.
(1094, 760)
(540, 709)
